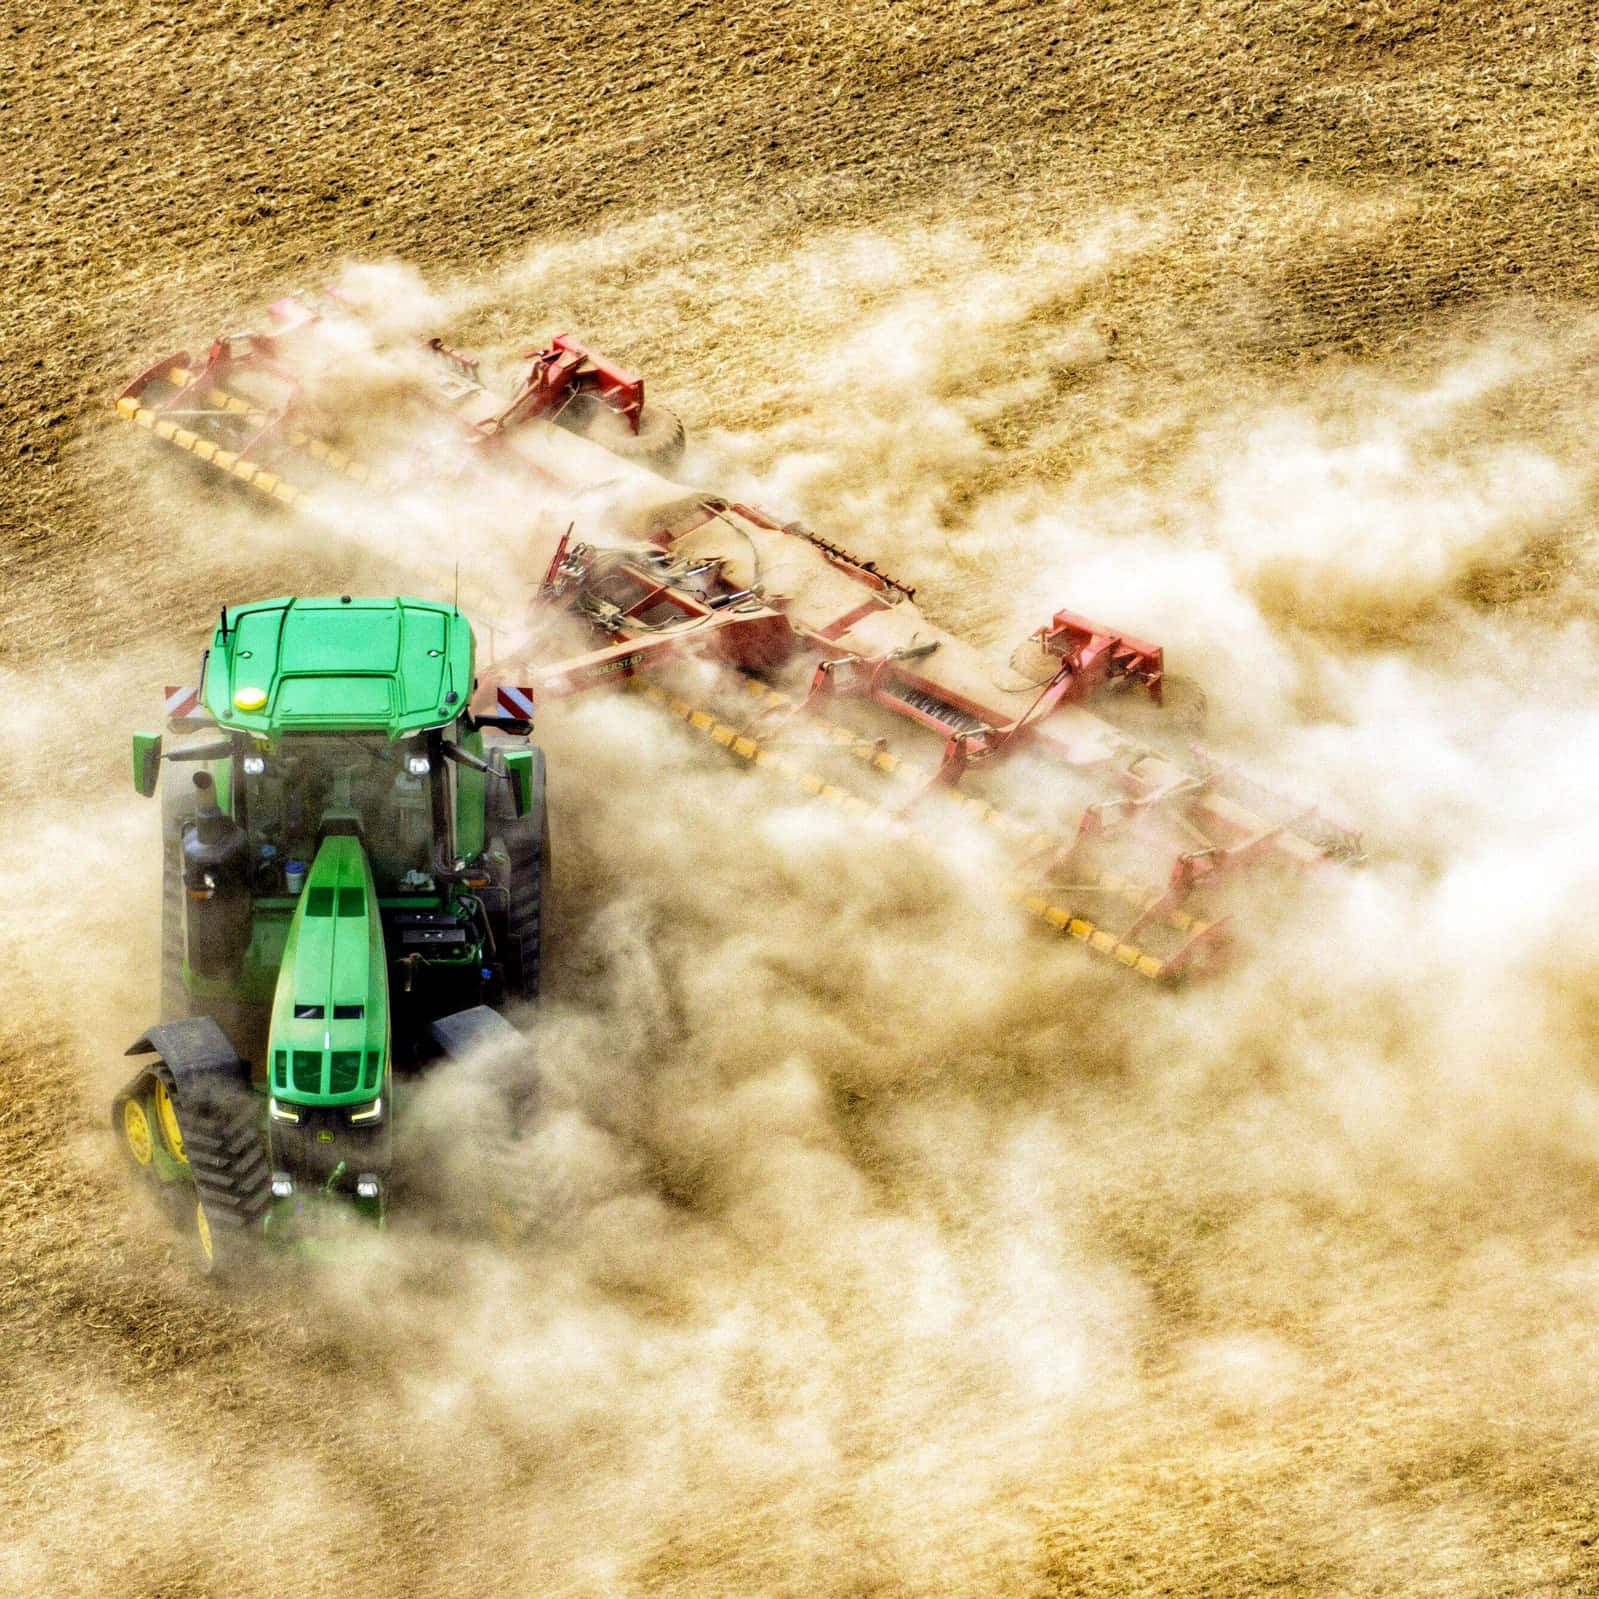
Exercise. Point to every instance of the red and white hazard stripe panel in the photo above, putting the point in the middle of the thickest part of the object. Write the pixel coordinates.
(181, 701)
(515, 702)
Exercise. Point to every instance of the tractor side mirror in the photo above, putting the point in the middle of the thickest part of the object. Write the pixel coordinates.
(519, 769)
(146, 762)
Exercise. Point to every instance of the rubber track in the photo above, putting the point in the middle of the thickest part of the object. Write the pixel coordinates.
(527, 849)
(229, 1163)
(525, 846)
(174, 996)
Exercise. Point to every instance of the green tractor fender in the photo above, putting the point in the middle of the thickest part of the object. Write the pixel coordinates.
(465, 1032)
(197, 1051)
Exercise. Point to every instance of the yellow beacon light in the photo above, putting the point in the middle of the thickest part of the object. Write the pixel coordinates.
(250, 699)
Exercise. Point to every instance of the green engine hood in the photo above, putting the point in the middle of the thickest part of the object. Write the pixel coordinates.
(330, 1014)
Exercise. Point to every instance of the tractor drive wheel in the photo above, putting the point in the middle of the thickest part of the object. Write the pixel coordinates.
(133, 1120)
(525, 843)
(658, 444)
(232, 1182)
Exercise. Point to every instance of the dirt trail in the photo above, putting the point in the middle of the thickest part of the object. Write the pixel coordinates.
(857, 1254)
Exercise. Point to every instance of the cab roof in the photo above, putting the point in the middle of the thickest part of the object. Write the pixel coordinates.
(390, 665)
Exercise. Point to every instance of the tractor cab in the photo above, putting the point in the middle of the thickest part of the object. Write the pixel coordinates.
(340, 711)
(346, 719)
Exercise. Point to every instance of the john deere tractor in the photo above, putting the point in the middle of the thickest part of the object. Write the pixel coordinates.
(354, 871)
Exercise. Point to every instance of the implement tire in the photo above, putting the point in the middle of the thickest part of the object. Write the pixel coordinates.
(658, 444)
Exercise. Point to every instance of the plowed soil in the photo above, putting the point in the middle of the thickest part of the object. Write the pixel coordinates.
(871, 1263)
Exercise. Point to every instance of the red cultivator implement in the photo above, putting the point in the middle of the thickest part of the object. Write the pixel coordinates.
(263, 407)
(803, 659)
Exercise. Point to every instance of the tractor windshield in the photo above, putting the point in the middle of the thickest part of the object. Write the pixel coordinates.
(386, 793)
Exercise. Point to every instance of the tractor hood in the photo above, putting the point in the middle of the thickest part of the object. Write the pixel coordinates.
(330, 1015)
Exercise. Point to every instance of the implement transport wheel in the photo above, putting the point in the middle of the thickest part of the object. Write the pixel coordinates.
(658, 444)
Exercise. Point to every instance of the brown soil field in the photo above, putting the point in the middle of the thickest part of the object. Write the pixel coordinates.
(854, 1254)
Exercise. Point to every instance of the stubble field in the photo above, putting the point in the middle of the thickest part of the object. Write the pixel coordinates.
(864, 1244)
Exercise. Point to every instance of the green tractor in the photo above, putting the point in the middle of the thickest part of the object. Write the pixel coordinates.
(354, 871)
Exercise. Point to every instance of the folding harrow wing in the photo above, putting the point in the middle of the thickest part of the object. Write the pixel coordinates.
(265, 408)
(788, 651)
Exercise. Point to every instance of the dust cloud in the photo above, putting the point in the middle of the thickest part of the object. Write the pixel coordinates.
(833, 1234)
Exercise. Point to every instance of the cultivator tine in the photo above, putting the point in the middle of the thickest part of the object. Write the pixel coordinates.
(1090, 931)
(1105, 933)
(237, 463)
(231, 462)
(1335, 840)
(1120, 946)
(198, 416)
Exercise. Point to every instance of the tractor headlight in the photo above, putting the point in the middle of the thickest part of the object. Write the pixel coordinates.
(367, 1186)
(418, 765)
(282, 1185)
(254, 765)
(282, 1113)
(366, 1113)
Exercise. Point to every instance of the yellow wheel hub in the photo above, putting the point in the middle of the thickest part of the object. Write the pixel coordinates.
(166, 1115)
(202, 1232)
(136, 1132)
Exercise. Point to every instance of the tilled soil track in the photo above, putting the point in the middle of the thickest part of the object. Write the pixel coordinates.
(168, 165)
